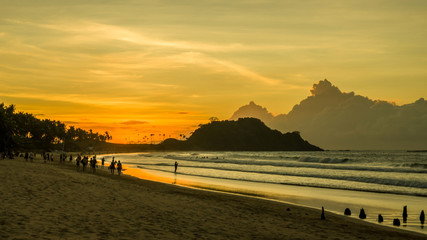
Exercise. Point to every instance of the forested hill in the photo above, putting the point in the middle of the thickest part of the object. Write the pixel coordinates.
(245, 134)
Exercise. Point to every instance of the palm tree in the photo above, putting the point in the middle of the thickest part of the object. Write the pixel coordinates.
(7, 126)
(213, 119)
(107, 135)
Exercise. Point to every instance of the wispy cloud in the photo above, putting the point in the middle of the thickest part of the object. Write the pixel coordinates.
(246, 72)
(134, 122)
(118, 66)
(198, 58)
(91, 31)
(73, 98)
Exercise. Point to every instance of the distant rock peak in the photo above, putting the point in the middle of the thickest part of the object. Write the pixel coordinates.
(252, 110)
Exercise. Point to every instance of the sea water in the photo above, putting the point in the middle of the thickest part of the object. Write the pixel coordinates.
(381, 182)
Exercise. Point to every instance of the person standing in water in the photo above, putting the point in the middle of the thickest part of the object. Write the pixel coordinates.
(176, 166)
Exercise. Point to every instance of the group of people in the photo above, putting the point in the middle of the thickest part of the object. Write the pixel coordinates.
(84, 161)
(80, 160)
(9, 154)
(29, 156)
(92, 163)
(47, 157)
(63, 157)
(112, 166)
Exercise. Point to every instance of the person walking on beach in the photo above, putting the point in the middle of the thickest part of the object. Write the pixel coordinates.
(84, 162)
(94, 164)
(103, 160)
(119, 168)
(78, 163)
(176, 166)
(112, 166)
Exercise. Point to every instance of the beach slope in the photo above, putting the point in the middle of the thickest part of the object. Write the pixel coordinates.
(54, 201)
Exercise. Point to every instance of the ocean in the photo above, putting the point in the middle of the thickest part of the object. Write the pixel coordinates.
(381, 182)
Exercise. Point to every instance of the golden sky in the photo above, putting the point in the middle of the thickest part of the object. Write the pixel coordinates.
(139, 67)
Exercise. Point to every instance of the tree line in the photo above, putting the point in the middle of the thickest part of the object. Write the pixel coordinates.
(24, 132)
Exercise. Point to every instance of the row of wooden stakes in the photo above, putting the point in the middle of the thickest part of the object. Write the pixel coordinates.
(396, 221)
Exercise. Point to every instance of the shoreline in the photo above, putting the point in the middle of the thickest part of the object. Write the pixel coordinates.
(391, 184)
(311, 199)
(53, 200)
(301, 185)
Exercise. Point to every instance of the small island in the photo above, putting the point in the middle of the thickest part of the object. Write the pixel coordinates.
(245, 134)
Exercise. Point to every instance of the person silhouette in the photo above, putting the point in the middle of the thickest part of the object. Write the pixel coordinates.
(119, 167)
(112, 166)
(176, 166)
(78, 159)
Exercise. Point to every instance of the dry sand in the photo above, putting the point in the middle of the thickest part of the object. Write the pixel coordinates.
(53, 201)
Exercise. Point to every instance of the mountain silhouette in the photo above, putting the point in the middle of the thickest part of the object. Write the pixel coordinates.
(254, 111)
(338, 120)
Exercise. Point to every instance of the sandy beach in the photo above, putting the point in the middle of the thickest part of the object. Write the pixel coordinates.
(54, 201)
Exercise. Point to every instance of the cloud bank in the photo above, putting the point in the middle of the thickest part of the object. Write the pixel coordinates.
(334, 119)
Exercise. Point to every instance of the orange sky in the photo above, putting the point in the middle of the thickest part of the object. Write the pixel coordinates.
(164, 67)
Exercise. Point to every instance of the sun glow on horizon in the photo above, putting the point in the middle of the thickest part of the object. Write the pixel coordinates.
(137, 68)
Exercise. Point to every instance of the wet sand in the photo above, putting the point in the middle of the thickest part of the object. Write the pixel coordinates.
(390, 206)
(53, 201)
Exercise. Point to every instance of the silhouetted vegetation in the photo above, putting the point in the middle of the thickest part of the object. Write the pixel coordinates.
(23, 131)
(245, 134)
